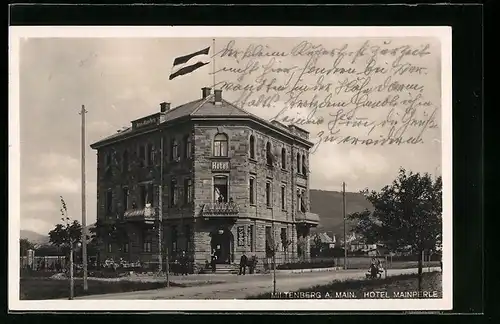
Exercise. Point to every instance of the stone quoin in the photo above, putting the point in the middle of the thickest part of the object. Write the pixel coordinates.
(229, 180)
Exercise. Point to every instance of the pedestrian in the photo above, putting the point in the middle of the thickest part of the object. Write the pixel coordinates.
(251, 266)
(184, 263)
(243, 264)
(213, 259)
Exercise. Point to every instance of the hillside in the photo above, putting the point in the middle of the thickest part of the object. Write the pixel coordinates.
(34, 237)
(328, 205)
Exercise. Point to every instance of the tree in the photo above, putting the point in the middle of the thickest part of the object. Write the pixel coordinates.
(102, 232)
(407, 214)
(67, 234)
(24, 246)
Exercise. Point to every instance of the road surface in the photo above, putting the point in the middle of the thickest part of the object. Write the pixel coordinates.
(240, 287)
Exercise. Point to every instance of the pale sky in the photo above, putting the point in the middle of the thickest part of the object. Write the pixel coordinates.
(119, 80)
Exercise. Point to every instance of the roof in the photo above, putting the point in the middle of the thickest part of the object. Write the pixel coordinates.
(325, 238)
(198, 109)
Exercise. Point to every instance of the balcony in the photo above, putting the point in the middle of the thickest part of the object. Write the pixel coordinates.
(146, 214)
(220, 210)
(307, 218)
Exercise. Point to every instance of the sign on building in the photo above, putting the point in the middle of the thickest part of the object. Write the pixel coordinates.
(220, 166)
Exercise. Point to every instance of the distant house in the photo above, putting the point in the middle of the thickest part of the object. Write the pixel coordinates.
(327, 242)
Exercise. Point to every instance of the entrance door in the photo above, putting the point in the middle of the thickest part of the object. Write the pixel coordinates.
(222, 244)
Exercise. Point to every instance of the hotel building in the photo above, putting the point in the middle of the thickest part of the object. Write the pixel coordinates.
(230, 182)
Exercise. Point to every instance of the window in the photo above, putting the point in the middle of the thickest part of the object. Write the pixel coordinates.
(174, 238)
(269, 241)
(125, 247)
(109, 202)
(143, 196)
(221, 190)
(107, 159)
(110, 248)
(283, 198)
(125, 161)
(304, 165)
(301, 206)
(283, 158)
(142, 156)
(188, 191)
(220, 145)
(187, 234)
(174, 150)
(268, 194)
(173, 193)
(299, 201)
(187, 148)
(150, 155)
(269, 154)
(252, 147)
(125, 198)
(284, 238)
(250, 237)
(252, 191)
(298, 163)
(146, 246)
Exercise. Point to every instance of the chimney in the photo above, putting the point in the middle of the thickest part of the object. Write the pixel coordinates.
(218, 97)
(205, 92)
(164, 106)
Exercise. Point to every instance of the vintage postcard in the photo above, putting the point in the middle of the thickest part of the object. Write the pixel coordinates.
(230, 168)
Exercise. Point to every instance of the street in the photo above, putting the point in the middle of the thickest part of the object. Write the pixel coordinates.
(239, 287)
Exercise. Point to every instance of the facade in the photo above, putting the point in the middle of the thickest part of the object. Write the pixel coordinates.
(212, 177)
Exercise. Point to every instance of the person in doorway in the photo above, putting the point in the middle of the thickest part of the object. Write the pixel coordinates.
(213, 259)
(243, 264)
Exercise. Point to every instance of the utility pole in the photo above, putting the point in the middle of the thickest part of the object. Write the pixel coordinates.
(343, 214)
(84, 213)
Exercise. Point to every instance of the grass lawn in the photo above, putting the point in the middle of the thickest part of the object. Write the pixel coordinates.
(46, 288)
(402, 286)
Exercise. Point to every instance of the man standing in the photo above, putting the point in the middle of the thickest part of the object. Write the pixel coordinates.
(213, 259)
(243, 264)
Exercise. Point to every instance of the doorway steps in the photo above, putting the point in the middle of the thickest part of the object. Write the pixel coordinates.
(226, 269)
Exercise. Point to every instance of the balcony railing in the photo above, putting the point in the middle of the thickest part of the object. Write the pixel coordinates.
(220, 209)
(146, 214)
(307, 218)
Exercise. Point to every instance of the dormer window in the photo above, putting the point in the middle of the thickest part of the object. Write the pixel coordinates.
(220, 145)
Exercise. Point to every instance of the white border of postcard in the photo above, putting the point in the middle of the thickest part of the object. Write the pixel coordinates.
(17, 33)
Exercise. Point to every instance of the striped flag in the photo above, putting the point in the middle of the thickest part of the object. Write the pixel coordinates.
(189, 63)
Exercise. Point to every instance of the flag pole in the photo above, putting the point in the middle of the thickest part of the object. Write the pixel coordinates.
(84, 212)
(213, 61)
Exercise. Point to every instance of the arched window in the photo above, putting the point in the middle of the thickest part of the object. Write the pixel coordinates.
(269, 154)
(304, 165)
(298, 162)
(252, 147)
(125, 161)
(283, 158)
(220, 145)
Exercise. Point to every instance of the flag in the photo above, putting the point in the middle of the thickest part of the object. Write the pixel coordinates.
(189, 63)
